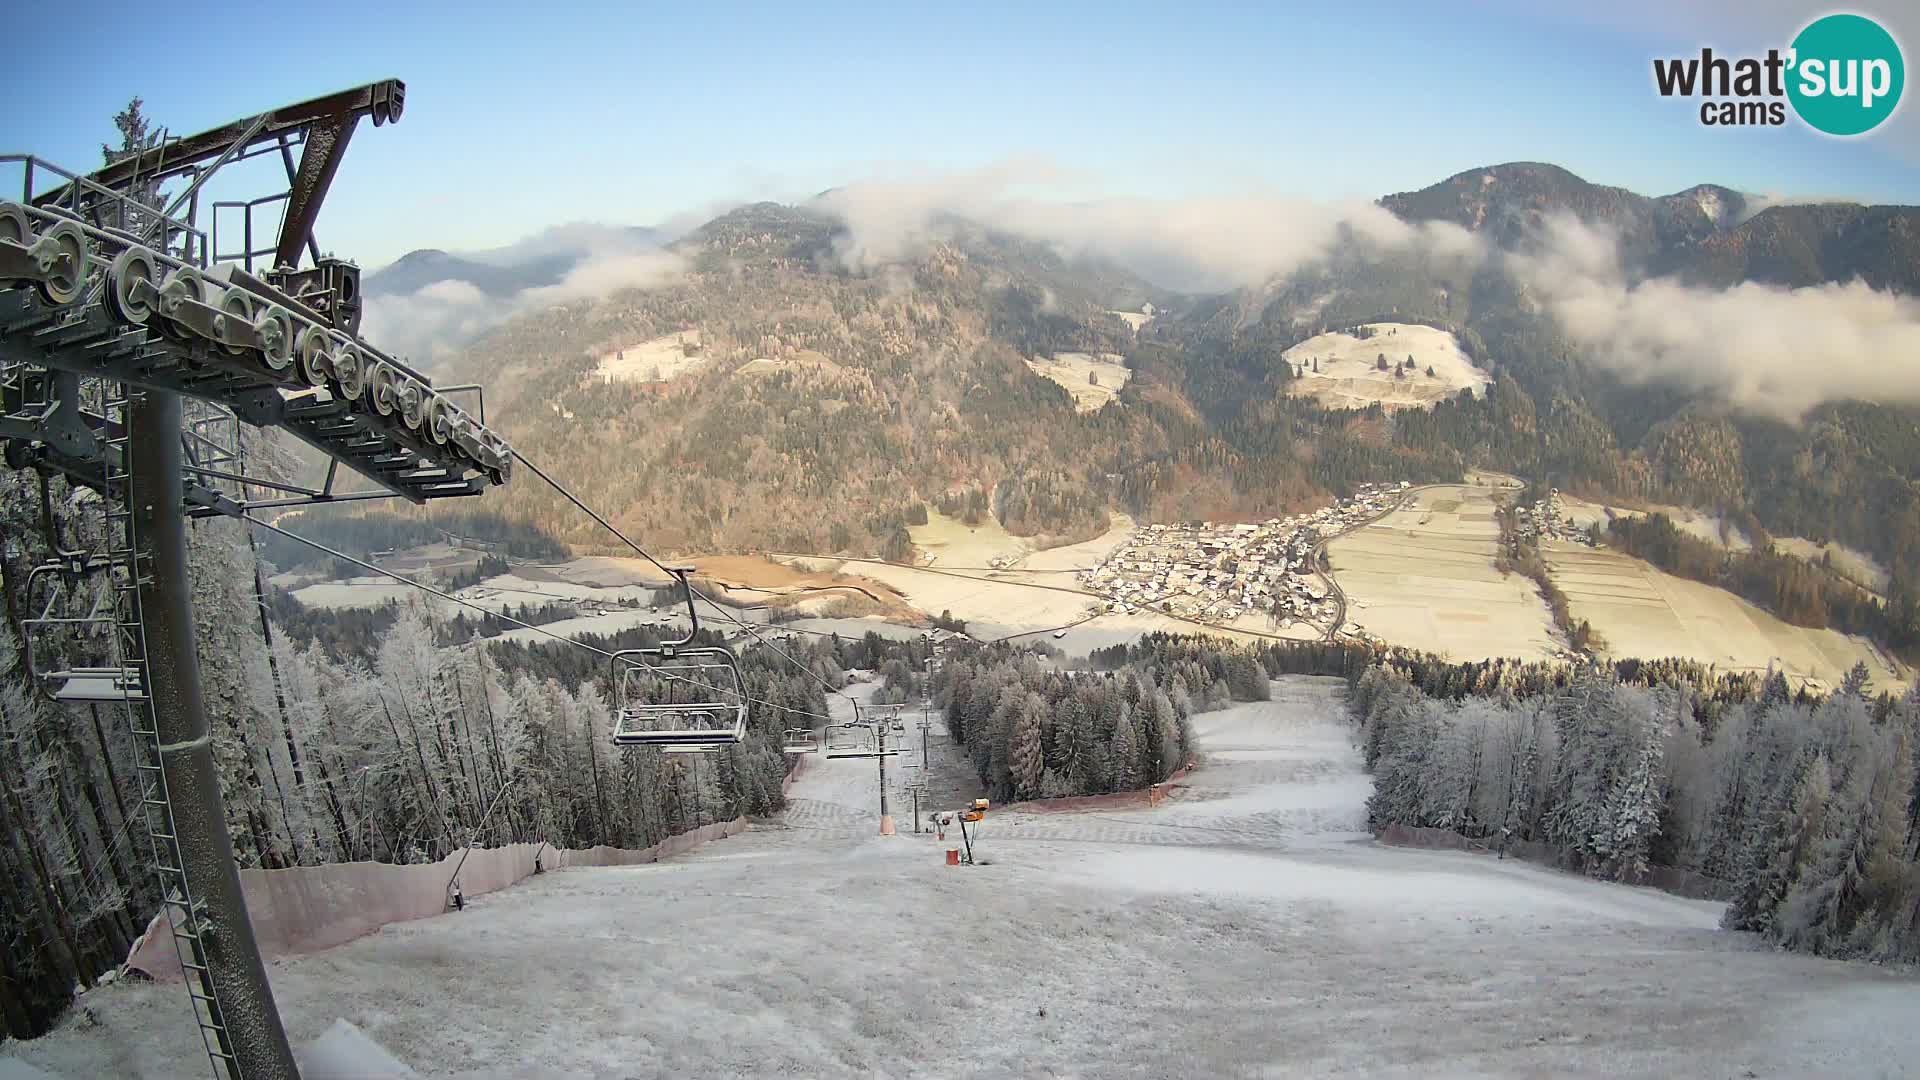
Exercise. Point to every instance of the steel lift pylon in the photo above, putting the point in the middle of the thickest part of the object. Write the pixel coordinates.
(129, 341)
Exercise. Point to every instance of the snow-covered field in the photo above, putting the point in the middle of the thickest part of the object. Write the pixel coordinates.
(951, 542)
(1642, 611)
(1424, 577)
(1851, 563)
(1093, 379)
(1695, 523)
(1244, 928)
(1349, 376)
(657, 360)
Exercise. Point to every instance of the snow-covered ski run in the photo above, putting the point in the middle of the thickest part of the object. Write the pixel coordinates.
(1246, 927)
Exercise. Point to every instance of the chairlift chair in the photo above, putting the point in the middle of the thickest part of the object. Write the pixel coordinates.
(850, 740)
(706, 702)
(859, 739)
(800, 741)
(54, 606)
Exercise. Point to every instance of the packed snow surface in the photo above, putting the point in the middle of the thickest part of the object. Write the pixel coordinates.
(1246, 927)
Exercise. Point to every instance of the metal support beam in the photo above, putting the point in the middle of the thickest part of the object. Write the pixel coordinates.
(259, 1042)
(382, 100)
(319, 160)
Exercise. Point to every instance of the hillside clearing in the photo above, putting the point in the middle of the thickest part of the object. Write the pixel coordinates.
(1698, 524)
(657, 360)
(1092, 379)
(948, 541)
(1349, 376)
(1856, 566)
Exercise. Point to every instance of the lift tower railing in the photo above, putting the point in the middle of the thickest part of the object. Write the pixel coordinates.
(113, 317)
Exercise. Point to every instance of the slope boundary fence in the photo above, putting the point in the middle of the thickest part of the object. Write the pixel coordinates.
(307, 909)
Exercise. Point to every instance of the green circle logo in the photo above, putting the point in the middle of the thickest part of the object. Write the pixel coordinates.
(1846, 75)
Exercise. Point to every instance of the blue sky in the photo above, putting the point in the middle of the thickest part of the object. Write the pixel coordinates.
(525, 115)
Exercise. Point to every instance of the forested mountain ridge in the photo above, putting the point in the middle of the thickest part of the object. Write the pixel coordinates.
(1505, 202)
(837, 385)
(540, 261)
(827, 401)
(1706, 234)
(419, 269)
(1845, 470)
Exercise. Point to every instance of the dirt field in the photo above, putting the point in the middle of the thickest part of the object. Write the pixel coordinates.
(658, 360)
(1075, 372)
(749, 577)
(1643, 612)
(1349, 377)
(1424, 577)
(973, 597)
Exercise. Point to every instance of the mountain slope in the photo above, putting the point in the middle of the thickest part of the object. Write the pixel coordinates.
(538, 261)
(417, 270)
(820, 395)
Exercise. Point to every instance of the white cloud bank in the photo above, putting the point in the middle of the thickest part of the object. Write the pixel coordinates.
(1197, 244)
(1764, 349)
(431, 324)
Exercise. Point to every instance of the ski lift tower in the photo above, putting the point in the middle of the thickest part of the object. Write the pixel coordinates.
(132, 345)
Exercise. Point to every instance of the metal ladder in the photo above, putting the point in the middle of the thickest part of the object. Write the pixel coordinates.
(186, 914)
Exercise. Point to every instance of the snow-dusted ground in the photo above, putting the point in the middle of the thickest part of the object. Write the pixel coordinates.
(655, 360)
(1244, 928)
(1091, 379)
(1349, 376)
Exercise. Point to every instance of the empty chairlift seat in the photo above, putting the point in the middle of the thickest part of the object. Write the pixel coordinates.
(678, 697)
(678, 694)
(692, 748)
(96, 684)
(800, 741)
(74, 612)
(851, 740)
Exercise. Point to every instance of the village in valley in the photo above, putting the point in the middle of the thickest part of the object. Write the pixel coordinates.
(1219, 572)
(1547, 519)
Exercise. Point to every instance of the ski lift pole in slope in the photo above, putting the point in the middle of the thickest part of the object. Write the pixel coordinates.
(886, 817)
(887, 719)
(918, 789)
(116, 313)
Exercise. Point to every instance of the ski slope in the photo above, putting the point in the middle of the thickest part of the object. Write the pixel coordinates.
(1246, 927)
